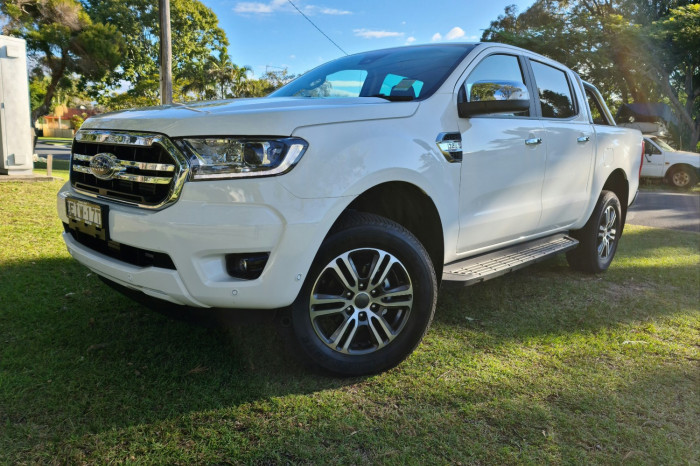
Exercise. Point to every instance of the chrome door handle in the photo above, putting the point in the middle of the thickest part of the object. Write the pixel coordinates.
(583, 139)
(533, 141)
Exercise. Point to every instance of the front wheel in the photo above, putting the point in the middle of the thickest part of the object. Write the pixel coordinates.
(599, 237)
(369, 297)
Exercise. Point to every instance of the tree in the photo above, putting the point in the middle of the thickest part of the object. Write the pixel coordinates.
(62, 40)
(622, 46)
(678, 72)
(197, 38)
(231, 79)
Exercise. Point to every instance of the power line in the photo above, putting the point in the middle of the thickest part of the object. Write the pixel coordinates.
(318, 28)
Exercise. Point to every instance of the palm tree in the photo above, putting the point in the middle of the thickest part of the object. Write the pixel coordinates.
(197, 80)
(228, 75)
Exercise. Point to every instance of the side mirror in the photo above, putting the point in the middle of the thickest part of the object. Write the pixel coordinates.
(493, 97)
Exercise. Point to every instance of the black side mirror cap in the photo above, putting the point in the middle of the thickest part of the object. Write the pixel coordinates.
(468, 109)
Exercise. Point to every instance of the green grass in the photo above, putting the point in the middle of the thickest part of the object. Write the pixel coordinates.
(60, 168)
(542, 366)
(659, 185)
(54, 139)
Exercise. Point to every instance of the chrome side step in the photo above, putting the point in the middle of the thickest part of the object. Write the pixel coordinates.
(494, 264)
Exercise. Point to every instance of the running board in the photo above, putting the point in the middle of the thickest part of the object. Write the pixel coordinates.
(494, 264)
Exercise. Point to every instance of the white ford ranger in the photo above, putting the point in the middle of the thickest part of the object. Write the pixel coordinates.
(679, 168)
(347, 196)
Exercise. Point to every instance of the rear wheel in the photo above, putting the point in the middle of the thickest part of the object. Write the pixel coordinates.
(599, 237)
(369, 297)
(683, 177)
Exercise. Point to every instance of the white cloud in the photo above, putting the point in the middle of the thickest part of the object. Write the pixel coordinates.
(334, 11)
(292, 56)
(455, 33)
(347, 83)
(436, 37)
(282, 5)
(410, 40)
(253, 7)
(371, 34)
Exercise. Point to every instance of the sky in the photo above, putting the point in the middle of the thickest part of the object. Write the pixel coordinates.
(272, 35)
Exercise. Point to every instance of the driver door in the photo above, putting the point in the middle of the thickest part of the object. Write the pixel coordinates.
(503, 165)
(653, 160)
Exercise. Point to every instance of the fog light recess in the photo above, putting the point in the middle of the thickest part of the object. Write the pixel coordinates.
(247, 266)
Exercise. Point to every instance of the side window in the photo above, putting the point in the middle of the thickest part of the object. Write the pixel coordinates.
(553, 87)
(596, 111)
(652, 149)
(497, 69)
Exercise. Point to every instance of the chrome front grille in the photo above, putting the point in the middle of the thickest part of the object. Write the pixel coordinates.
(141, 169)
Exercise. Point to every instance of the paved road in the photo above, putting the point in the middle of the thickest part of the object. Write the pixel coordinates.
(666, 210)
(60, 152)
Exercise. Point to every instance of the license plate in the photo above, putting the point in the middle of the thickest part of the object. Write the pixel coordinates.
(87, 217)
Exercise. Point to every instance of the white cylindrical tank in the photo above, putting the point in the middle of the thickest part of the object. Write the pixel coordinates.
(16, 145)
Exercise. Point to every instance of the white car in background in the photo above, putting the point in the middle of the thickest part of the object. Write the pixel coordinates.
(679, 168)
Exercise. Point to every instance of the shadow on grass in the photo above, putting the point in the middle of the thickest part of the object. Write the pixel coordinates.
(551, 298)
(79, 359)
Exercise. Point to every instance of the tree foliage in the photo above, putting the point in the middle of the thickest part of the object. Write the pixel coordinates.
(62, 40)
(633, 50)
(197, 40)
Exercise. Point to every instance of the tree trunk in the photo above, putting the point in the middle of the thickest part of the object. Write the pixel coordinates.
(56, 75)
(686, 118)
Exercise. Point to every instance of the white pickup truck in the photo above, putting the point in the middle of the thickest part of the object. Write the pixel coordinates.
(679, 168)
(350, 194)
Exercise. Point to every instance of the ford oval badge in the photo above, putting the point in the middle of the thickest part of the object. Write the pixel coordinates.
(105, 166)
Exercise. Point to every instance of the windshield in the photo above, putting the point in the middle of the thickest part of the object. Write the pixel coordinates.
(663, 145)
(405, 73)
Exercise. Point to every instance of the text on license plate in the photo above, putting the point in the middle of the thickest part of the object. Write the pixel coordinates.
(83, 211)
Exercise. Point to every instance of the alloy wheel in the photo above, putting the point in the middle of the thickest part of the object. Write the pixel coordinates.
(361, 301)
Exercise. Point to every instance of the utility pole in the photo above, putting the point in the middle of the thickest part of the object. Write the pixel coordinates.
(166, 54)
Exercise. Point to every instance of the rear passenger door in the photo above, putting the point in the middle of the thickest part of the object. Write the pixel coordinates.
(570, 145)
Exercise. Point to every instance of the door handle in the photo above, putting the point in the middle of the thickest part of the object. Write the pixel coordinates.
(583, 139)
(533, 141)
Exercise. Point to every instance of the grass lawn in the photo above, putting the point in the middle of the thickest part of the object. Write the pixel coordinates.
(659, 185)
(542, 366)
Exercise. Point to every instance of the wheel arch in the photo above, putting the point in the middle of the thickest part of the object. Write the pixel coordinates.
(409, 206)
(669, 171)
(617, 182)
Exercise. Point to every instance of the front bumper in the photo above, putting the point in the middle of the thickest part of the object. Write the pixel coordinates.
(210, 220)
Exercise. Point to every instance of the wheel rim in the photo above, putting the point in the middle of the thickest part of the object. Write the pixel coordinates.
(681, 178)
(607, 233)
(361, 301)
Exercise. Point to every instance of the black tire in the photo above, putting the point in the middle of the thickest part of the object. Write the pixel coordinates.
(382, 307)
(682, 177)
(599, 237)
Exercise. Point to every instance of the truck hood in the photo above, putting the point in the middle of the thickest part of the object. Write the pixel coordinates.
(269, 116)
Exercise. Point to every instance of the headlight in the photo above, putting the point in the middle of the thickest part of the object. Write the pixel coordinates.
(224, 157)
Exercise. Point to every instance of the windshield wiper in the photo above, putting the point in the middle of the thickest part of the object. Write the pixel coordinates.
(394, 98)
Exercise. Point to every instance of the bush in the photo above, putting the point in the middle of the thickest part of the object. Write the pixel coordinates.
(76, 122)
